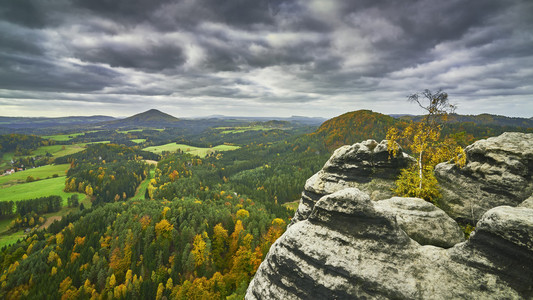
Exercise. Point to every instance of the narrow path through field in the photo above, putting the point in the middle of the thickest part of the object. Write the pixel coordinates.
(49, 221)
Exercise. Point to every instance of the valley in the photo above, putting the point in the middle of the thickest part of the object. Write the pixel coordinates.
(157, 205)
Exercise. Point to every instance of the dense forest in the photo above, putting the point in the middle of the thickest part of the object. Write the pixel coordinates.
(356, 126)
(20, 144)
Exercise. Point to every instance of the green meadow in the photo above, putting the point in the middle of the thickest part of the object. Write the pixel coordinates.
(40, 172)
(141, 190)
(65, 137)
(59, 150)
(11, 238)
(202, 152)
(139, 130)
(138, 141)
(225, 130)
(36, 189)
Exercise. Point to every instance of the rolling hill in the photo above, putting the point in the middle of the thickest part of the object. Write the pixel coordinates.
(24, 122)
(151, 118)
(354, 127)
(482, 119)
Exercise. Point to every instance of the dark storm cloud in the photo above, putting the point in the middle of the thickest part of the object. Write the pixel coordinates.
(22, 12)
(152, 58)
(265, 51)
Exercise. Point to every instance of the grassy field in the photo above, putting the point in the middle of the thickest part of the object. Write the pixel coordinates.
(65, 137)
(138, 141)
(9, 239)
(61, 137)
(292, 205)
(36, 189)
(41, 172)
(202, 152)
(55, 150)
(5, 159)
(59, 150)
(141, 190)
(239, 129)
(139, 130)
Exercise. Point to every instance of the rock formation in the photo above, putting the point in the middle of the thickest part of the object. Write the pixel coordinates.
(347, 241)
(499, 171)
(423, 221)
(364, 165)
(353, 248)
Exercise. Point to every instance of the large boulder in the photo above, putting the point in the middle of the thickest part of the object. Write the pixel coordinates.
(366, 166)
(423, 221)
(351, 247)
(498, 171)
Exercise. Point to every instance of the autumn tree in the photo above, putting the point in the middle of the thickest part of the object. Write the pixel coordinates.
(423, 139)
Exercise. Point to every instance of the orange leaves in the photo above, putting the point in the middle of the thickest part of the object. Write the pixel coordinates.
(145, 221)
(78, 241)
(174, 175)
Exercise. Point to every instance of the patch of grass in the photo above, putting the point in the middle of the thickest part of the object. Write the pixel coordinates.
(225, 130)
(40, 172)
(6, 159)
(65, 137)
(99, 142)
(292, 205)
(202, 152)
(139, 130)
(36, 189)
(62, 137)
(5, 224)
(141, 190)
(59, 150)
(138, 141)
(10, 239)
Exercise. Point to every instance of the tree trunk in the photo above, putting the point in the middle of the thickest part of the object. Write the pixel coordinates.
(420, 169)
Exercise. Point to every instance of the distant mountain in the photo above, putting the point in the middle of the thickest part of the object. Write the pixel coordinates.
(312, 121)
(24, 122)
(482, 119)
(150, 118)
(360, 125)
(354, 127)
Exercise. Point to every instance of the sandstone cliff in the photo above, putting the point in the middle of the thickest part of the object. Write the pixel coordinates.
(499, 171)
(347, 241)
(364, 165)
(351, 248)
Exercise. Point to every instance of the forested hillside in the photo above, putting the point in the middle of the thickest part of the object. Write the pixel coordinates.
(356, 126)
(200, 229)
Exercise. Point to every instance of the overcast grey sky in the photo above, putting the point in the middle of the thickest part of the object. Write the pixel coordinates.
(263, 57)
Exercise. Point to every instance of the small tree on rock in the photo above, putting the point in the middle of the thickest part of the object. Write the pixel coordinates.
(423, 139)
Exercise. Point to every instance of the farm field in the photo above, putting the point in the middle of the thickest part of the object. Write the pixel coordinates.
(63, 137)
(59, 150)
(36, 189)
(202, 152)
(138, 141)
(139, 130)
(40, 172)
(11, 238)
(225, 130)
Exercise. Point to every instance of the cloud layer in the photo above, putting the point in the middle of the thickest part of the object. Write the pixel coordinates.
(264, 57)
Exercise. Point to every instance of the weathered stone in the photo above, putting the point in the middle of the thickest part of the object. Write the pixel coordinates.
(527, 203)
(499, 171)
(352, 248)
(423, 221)
(364, 165)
